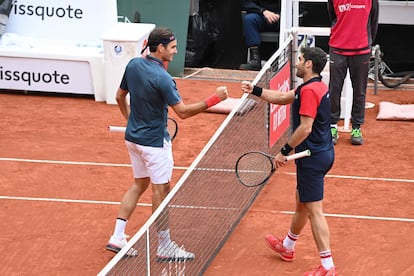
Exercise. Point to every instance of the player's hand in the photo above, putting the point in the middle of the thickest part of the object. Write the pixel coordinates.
(222, 93)
(280, 160)
(247, 87)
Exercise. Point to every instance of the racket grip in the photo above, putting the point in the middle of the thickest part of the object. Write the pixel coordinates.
(116, 129)
(298, 155)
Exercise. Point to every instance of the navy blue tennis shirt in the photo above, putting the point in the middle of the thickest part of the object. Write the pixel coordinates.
(151, 90)
(312, 99)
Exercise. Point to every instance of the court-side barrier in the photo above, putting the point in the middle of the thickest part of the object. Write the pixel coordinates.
(57, 46)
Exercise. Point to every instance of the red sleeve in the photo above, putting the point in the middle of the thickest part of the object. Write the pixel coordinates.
(309, 102)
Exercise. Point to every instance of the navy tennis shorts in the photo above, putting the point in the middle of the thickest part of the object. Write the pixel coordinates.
(310, 174)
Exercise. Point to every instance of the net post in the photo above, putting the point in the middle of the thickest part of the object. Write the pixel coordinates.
(377, 56)
(148, 252)
(348, 103)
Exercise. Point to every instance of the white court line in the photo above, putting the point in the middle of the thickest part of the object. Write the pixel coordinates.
(354, 216)
(197, 207)
(65, 200)
(109, 202)
(185, 168)
(64, 162)
(366, 178)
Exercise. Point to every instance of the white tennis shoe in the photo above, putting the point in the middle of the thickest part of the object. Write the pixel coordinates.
(115, 244)
(173, 253)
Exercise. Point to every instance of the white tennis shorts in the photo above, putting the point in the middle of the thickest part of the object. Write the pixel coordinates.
(152, 162)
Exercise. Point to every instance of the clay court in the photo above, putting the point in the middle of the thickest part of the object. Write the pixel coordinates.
(63, 175)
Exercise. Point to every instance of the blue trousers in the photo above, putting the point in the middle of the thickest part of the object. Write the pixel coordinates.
(253, 25)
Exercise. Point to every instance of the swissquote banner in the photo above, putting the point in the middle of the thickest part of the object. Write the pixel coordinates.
(55, 45)
(77, 20)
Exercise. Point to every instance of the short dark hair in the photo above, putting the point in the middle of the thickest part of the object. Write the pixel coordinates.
(317, 56)
(160, 35)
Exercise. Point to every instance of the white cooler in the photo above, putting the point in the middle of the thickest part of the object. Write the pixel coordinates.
(122, 42)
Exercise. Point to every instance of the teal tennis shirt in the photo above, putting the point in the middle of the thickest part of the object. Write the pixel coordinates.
(151, 90)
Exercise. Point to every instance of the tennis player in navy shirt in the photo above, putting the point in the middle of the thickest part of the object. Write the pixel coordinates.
(311, 131)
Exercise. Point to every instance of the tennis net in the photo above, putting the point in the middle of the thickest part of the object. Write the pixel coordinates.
(208, 202)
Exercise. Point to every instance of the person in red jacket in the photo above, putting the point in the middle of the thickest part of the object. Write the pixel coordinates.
(354, 25)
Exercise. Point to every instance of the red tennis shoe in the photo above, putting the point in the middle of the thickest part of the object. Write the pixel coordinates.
(321, 271)
(276, 245)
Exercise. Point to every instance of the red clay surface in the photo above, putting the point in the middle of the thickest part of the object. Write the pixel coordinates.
(57, 217)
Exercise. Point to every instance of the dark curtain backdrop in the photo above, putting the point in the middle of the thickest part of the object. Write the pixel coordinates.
(228, 50)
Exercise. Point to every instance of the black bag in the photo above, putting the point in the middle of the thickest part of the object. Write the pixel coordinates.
(200, 38)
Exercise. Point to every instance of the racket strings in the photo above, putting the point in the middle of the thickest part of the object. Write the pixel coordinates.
(254, 169)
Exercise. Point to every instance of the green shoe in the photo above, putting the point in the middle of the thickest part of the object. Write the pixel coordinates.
(335, 135)
(356, 137)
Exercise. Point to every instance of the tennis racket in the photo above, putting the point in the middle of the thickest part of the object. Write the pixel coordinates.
(172, 127)
(255, 168)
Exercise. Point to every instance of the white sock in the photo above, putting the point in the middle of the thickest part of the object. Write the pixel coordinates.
(326, 259)
(334, 125)
(290, 240)
(120, 226)
(164, 238)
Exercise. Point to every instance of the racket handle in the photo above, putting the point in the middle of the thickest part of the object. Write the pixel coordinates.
(116, 129)
(298, 155)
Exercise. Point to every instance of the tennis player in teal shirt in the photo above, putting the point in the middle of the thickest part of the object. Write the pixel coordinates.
(152, 91)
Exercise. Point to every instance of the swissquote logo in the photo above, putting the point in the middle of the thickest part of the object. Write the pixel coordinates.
(348, 6)
(45, 12)
(30, 78)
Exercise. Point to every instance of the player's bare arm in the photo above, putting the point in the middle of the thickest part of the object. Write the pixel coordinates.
(269, 95)
(122, 102)
(298, 136)
(188, 110)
